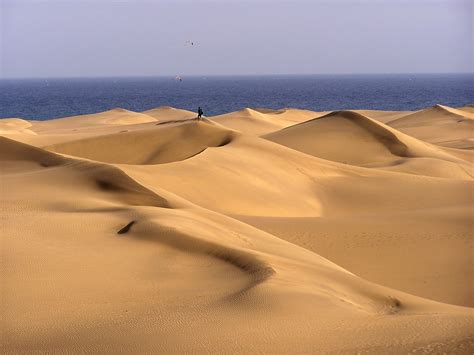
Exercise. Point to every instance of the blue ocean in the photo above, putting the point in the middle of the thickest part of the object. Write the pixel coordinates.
(43, 99)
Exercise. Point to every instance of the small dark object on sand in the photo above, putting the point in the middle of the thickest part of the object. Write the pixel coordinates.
(126, 228)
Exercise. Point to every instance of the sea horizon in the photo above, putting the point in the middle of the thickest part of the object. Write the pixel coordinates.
(167, 76)
(42, 99)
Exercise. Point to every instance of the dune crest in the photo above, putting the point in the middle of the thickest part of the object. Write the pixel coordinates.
(117, 116)
(15, 126)
(167, 113)
(435, 115)
(383, 116)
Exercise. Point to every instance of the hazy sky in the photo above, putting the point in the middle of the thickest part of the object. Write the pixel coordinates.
(66, 38)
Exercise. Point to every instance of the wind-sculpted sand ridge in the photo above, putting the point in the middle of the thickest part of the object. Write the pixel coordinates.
(457, 126)
(176, 236)
(368, 143)
(383, 116)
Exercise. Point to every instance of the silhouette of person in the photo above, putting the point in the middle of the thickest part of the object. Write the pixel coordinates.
(200, 113)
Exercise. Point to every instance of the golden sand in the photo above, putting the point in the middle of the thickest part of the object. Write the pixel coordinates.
(255, 231)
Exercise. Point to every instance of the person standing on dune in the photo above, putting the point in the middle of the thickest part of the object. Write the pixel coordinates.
(200, 113)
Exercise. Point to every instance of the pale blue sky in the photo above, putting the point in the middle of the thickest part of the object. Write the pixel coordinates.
(133, 38)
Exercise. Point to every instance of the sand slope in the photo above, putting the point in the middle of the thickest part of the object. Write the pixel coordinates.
(125, 233)
(116, 116)
(424, 252)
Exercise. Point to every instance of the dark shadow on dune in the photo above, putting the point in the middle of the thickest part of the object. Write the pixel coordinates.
(126, 228)
(44, 164)
(267, 110)
(226, 140)
(176, 121)
(125, 189)
(195, 154)
(107, 185)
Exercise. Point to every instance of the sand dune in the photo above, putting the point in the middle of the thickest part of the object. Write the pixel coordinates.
(366, 142)
(457, 126)
(158, 144)
(232, 181)
(261, 121)
(435, 115)
(138, 233)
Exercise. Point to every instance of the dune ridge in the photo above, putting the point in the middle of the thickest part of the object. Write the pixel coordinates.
(116, 116)
(457, 125)
(168, 113)
(261, 121)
